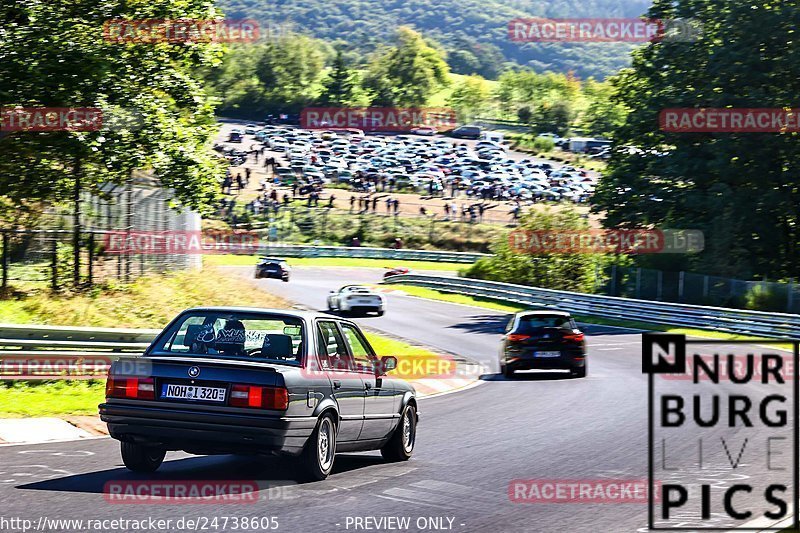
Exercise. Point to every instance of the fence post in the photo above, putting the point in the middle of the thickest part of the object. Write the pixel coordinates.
(680, 286)
(54, 265)
(613, 290)
(91, 259)
(638, 282)
(5, 261)
(660, 288)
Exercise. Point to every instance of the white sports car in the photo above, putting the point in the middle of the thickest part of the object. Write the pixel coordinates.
(356, 299)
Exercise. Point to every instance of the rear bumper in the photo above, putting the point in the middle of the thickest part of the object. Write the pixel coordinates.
(567, 361)
(205, 432)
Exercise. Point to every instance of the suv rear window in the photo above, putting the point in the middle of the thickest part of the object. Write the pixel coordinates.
(528, 324)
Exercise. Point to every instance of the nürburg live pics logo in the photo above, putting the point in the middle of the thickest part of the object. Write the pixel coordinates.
(723, 433)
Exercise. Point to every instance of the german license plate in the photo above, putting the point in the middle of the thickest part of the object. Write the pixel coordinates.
(547, 354)
(192, 392)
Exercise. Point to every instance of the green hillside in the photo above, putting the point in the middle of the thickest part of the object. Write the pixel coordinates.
(474, 33)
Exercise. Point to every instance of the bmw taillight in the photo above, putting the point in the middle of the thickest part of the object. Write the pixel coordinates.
(517, 337)
(130, 388)
(574, 337)
(258, 397)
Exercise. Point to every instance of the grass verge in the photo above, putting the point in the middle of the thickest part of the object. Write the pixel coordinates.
(149, 302)
(249, 260)
(19, 399)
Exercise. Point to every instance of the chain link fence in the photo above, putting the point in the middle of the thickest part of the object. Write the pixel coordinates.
(699, 289)
(46, 257)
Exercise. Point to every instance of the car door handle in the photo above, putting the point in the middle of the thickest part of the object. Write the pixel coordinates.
(337, 384)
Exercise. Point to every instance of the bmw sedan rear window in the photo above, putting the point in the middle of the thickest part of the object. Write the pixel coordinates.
(236, 335)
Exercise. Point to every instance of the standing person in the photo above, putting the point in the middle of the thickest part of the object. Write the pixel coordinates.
(330, 201)
(396, 207)
(374, 204)
(247, 176)
(352, 202)
(239, 182)
(294, 189)
(389, 203)
(446, 211)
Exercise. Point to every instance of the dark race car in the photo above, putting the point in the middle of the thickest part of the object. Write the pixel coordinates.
(543, 340)
(259, 382)
(269, 267)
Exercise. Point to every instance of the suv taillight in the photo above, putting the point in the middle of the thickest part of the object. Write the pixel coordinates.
(130, 388)
(574, 337)
(516, 337)
(258, 397)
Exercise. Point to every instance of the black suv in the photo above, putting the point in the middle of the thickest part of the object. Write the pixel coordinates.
(269, 267)
(543, 340)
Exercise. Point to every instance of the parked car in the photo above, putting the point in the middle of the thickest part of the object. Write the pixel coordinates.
(423, 130)
(466, 132)
(269, 267)
(356, 299)
(222, 380)
(235, 136)
(543, 340)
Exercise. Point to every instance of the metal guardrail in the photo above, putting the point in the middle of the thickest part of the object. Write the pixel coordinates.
(772, 325)
(34, 352)
(369, 253)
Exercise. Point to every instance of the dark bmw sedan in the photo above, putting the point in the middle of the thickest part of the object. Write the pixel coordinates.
(543, 340)
(255, 381)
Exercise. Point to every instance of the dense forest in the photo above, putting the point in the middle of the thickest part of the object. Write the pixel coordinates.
(473, 33)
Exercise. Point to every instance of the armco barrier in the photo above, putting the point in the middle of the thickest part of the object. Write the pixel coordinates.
(772, 325)
(368, 253)
(60, 343)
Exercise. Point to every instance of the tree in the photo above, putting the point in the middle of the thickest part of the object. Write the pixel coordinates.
(525, 115)
(289, 70)
(512, 264)
(469, 97)
(156, 114)
(407, 74)
(555, 117)
(340, 87)
(604, 113)
(740, 189)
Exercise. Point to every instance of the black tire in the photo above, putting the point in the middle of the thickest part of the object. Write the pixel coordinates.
(140, 458)
(507, 372)
(579, 372)
(315, 467)
(380, 313)
(401, 445)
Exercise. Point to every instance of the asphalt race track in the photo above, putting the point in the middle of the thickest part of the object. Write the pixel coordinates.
(470, 444)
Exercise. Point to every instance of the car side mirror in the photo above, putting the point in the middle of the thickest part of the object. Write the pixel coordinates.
(386, 365)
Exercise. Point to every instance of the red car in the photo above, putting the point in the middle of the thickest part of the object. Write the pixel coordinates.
(396, 271)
